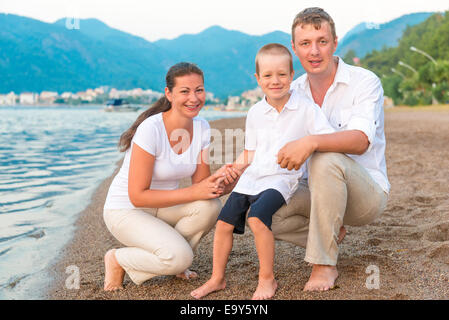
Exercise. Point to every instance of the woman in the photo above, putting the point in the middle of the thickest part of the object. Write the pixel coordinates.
(166, 144)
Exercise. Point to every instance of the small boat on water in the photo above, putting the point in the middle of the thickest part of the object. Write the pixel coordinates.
(120, 105)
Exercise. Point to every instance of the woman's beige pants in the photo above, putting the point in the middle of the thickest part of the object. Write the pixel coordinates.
(160, 241)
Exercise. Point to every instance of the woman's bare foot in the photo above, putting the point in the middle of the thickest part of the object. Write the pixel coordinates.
(187, 275)
(341, 235)
(210, 286)
(322, 278)
(113, 272)
(265, 289)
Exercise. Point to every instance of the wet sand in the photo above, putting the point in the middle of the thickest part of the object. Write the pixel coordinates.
(409, 243)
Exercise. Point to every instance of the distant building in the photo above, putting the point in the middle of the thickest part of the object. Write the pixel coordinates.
(152, 94)
(67, 96)
(210, 97)
(28, 98)
(3, 99)
(138, 92)
(48, 97)
(233, 103)
(253, 96)
(99, 91)
(9, 99)
(86, 96)
(91, 92)
(114, 94)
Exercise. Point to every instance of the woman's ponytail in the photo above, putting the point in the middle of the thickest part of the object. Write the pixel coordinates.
(159, 106)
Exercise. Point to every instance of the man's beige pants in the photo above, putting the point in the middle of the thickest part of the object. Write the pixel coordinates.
(160, 241)
(339, 192)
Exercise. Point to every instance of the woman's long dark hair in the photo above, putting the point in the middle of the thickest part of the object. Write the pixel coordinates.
(161, 105)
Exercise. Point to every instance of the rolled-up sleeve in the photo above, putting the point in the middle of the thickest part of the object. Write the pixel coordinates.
(367, 107)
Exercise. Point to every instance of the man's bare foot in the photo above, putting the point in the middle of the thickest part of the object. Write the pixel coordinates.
(187, 275)
(341, 235)
(322, 278)
(113, 272)
(210, 286)
(265, 289)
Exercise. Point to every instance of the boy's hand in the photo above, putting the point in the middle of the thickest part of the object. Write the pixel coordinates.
(222, 170)
(295, 153)
(231, 175)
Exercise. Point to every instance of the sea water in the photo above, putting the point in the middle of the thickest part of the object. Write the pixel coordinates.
(51, 161)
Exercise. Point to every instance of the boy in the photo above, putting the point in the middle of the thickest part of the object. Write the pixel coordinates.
(282, 116)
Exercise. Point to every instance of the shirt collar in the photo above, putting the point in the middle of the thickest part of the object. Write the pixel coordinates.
(342, 75)
(291, 103)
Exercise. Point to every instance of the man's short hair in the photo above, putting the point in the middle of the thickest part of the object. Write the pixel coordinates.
(275, 49)
(314, 16)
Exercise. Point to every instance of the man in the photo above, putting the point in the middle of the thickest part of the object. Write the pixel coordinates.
(347, 183)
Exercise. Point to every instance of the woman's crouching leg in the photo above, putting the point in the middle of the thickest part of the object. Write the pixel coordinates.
(153, 247)
(193, 220)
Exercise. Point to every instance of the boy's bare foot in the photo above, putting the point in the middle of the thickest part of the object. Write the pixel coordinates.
(187, 275)
(341, 235)
(322, 278)
(207, 288)
(265, 289)
(113, 272)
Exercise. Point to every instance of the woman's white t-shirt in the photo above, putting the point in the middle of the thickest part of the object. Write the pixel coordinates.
(169, 167)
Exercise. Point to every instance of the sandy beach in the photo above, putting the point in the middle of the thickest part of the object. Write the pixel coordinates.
(409, 243)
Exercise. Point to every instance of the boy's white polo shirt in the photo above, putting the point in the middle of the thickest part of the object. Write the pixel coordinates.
(267, 131)
(355, 102)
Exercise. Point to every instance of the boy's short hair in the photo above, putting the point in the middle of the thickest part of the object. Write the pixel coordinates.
(275, 49)
(314, 16)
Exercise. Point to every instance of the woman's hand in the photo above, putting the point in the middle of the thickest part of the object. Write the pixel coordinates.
(210, 188)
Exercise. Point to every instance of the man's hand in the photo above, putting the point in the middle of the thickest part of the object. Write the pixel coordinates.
(295, 153)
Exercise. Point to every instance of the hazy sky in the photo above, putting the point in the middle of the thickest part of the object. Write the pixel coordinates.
(158, 19)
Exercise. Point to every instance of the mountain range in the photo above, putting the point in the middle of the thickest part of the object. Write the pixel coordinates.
(37, 56)
(366, 37)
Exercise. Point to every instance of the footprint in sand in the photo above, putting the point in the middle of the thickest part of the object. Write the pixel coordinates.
(440, 253)
(422, 199)
(374, 242)
(438, 233)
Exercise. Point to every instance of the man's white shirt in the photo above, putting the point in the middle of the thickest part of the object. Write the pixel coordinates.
(355, 102)
(267, 131)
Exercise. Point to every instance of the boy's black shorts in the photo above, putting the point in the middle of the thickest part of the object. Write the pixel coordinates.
(263, 206)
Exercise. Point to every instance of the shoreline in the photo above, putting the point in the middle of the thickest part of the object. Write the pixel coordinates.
(409, 243)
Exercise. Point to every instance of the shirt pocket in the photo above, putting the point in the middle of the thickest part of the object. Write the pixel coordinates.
(341, 119)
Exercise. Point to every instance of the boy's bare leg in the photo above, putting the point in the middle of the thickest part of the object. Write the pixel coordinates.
(264, 239)
(222, 248)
